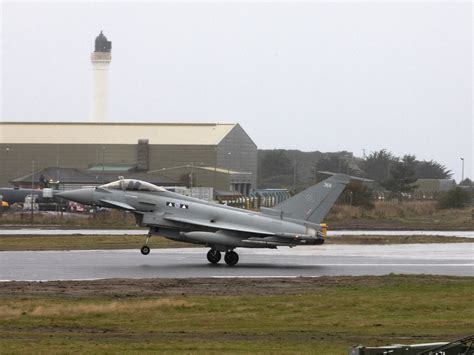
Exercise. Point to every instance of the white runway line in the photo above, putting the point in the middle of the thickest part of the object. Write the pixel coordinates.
(385, 264)
(87, 279)
(334, 233)
(260, 277)
(37, 231)
(465, 234)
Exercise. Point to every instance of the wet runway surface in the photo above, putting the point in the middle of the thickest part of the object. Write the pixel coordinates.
(313, 261)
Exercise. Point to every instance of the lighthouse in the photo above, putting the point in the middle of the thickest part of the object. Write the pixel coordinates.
(100, 58)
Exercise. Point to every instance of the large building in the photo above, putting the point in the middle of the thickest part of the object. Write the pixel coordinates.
(217, 155)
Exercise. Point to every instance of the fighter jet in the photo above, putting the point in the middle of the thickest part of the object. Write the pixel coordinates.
(295, 221)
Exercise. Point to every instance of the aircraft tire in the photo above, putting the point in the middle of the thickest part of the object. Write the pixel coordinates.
(214, 256)
(145, 250)
(231, 258)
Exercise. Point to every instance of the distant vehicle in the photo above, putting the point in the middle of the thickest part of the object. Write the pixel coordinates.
(76, 207)
(293, 222)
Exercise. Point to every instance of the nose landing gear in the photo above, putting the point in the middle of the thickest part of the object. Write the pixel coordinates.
(145, 250)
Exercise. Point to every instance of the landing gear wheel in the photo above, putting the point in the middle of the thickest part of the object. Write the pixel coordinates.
(214, 256)
(145, 250)
(231, 258)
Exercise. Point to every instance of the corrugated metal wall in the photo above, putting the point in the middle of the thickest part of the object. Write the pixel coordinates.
(243, 153)
(16, 159)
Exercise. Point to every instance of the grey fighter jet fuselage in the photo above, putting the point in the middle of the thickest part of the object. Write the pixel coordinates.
(296, 221)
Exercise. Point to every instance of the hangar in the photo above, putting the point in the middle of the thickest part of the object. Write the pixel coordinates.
(223, 154)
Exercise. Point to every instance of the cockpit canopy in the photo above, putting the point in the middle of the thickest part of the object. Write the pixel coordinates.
(132, 185)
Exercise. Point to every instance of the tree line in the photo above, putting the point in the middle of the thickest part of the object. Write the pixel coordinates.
(297, 170)
(381, 166)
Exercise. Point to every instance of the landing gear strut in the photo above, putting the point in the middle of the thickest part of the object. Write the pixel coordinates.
(145, 250)
(231, 258)
(214, 256)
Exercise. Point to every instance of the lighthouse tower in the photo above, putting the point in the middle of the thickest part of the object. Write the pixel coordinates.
(100, 58)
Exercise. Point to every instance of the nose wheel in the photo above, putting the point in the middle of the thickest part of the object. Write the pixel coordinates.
(145, 250)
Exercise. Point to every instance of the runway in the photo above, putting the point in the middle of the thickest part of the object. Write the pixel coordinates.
(311, 261)
(331, 233)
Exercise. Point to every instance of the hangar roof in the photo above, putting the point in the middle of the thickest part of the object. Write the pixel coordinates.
(113, 133)
(209, 168)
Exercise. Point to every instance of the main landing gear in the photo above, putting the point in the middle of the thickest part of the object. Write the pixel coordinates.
(145, 250)
(231, 258)
(214, 256)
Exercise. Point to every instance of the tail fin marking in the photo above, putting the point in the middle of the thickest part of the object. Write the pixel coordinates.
(314, 203)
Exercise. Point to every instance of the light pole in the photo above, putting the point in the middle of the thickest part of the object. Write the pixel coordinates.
(294, 176)
(215, 172)
(191, 175)
(103, 159)
(7, 163)
(228, 170)
(32, 188)
(462, 171)
(57, 162)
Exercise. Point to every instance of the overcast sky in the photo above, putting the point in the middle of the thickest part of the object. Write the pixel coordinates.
(309, 76)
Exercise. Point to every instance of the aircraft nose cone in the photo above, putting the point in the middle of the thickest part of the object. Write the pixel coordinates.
(83, 196)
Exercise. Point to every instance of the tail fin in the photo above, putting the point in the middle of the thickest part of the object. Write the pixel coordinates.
(314, 203)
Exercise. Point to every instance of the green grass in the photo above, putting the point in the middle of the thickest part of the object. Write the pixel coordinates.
(92, 242)
(322, 320)
(113, 219)
(82, 242)
(404, 215)
(386, 215)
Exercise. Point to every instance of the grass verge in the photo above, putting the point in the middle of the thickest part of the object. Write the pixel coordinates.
(84, 242)
(92, 242)
(322, 316)
(386, 215)
(403, 215)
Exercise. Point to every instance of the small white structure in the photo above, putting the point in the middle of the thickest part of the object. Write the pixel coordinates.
(100, 58)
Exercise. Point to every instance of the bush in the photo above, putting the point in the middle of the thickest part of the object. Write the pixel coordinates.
(457, 197)
(358, 195)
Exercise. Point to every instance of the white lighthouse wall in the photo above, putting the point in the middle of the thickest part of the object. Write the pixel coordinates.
(100, 91)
